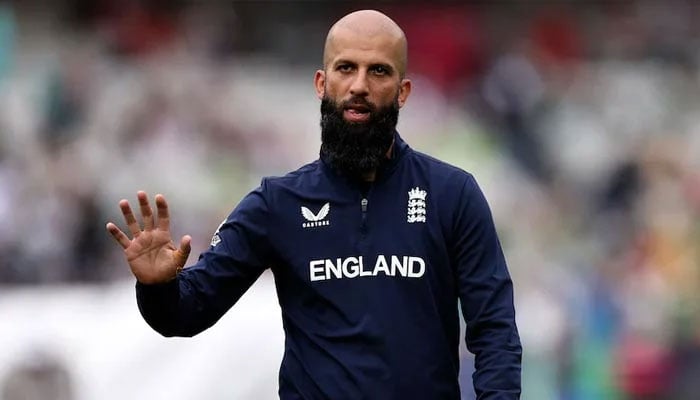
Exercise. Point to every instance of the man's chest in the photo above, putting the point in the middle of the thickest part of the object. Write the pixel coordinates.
(378, 234)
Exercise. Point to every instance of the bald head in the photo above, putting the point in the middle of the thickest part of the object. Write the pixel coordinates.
(367, 24)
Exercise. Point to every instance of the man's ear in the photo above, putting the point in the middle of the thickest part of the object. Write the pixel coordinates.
(404, 91)
(320, 83)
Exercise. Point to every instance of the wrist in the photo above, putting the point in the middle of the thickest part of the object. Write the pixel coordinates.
(178, 269)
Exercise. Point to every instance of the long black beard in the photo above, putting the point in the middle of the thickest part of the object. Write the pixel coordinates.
(356, 148)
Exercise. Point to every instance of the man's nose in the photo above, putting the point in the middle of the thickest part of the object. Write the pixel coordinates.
(360, 85)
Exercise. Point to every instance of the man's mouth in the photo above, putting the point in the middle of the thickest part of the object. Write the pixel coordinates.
(356, 113)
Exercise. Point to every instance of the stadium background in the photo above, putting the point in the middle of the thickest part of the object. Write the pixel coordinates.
(579, 119)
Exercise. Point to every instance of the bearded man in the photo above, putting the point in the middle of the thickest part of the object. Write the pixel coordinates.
(374, 246)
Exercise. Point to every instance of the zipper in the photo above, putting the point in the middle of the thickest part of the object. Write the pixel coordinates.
(363, 204)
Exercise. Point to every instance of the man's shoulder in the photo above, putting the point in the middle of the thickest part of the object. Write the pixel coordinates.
(299, 178)
(441, 168)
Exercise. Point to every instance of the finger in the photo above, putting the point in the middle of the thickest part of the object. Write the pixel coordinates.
(163, 214)
(118, 235)
(183, 252)
(186, 245)
(146, 211)
(131, 222)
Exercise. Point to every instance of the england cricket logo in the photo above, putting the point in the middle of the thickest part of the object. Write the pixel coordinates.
(416, 205)
(313, 220)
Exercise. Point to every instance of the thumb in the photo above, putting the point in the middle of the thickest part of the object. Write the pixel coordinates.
(181, 255)
(186, 246)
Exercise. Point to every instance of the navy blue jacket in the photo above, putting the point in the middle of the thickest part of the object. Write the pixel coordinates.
(368, 282)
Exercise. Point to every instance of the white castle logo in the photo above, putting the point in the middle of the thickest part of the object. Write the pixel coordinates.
(416, 205)
(316, 219)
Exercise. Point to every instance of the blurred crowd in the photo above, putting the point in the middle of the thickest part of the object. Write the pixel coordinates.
(578, 119)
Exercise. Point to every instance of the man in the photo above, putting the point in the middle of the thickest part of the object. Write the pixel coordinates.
(372, 247)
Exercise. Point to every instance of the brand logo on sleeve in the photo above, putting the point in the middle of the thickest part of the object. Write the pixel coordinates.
(416, 205)
(318, 219)
(216, 239)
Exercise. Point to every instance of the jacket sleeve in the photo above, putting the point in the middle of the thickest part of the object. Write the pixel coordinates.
(202, 293)
(486, 298)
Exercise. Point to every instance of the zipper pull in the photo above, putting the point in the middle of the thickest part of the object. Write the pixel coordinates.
(364, 205)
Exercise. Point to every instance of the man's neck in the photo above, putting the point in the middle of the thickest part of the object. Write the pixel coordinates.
(369, 176)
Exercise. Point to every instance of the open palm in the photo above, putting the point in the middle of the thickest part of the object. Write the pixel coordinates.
(151, 253)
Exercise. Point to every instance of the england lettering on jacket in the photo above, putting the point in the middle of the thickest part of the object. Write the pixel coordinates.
(354, 267)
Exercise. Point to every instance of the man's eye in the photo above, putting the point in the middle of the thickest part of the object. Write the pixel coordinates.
(344, 68)
(380, 70)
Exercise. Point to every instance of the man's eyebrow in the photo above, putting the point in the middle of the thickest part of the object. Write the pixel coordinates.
(386, 66)
(344, 62)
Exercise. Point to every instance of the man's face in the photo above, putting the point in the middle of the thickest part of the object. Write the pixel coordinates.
(362, 66)
(361, 91)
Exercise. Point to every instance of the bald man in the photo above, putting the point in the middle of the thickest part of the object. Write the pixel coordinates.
(373, 246)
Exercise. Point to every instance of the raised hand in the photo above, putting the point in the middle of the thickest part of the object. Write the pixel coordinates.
(151, 253)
